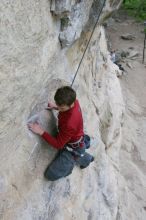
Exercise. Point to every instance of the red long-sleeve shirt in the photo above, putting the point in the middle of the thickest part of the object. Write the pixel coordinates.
(70, 125)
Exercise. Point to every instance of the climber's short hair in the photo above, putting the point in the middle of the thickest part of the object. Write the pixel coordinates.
(65, 96)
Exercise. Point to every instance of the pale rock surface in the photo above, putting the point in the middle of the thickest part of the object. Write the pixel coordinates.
(75, 20)
(32, 67)
(61, 7)
(132, 154)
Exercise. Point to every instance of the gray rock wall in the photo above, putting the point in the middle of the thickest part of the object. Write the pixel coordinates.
(32, 66)
(76, 16)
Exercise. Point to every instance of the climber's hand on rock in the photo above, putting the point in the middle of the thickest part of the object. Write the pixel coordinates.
(36, 128)
(51, 106)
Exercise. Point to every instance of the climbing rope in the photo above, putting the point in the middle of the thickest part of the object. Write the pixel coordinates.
(101, 9)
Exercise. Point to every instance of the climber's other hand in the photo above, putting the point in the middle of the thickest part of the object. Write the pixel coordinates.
(35, 128)
(51, 106)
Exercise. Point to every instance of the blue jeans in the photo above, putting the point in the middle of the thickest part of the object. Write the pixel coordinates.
(65, 161)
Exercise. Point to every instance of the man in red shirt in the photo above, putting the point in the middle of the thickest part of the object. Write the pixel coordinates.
(70, 139)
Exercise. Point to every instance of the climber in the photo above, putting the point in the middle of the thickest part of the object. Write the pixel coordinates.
(70, 140)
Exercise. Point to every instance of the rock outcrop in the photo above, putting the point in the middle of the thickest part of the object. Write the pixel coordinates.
(32, 67)
(74, 20)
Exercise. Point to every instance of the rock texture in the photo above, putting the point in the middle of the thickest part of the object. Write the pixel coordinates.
(32, 67)
(74, 19)
(132, 156)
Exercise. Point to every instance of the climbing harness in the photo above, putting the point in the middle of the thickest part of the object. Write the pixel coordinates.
(101, 9)
(74, 152)
(74, 146)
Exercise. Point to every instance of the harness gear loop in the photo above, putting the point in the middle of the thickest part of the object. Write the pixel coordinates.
(74, 146)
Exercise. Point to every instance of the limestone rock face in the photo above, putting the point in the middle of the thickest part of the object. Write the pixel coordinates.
(32, 67)
(60, 7)
(75, 16)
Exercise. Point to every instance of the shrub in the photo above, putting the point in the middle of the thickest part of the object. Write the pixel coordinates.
(136, 8)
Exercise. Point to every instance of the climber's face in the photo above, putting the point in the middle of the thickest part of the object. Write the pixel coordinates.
(63, 108)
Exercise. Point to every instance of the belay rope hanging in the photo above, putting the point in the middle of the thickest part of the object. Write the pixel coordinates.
(100, 11)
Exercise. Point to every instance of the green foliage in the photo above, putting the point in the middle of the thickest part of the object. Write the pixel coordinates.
(136, 8)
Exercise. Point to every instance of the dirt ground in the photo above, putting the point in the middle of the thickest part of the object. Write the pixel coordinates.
(133, 84)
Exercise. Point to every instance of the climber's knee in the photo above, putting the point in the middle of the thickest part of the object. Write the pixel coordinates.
(50, 176)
